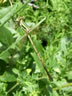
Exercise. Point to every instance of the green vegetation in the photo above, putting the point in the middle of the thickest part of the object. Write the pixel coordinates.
(36, 47)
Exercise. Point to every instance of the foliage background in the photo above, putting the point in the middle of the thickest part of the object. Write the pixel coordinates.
(21, 72)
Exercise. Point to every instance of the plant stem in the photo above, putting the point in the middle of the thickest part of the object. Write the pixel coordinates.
(41, 60)
(22, 37)
(66, 85)
(13, 87)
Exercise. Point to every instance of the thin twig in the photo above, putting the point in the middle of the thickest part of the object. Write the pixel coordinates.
(41, 60)
(22, 37)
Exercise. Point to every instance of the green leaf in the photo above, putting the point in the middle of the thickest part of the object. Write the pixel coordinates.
(16, 71)
(8, 77)
(3, 11)
(3, 87)
(6, 37)
(60, 83)
(38, 62)
(54, 93)
(38, 46)
(5, 17)
(11, 12)
(69, 75)
(4, 56)
(63, 45)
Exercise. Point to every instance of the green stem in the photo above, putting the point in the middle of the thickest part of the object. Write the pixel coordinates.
(66, 85)
(13, 87)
